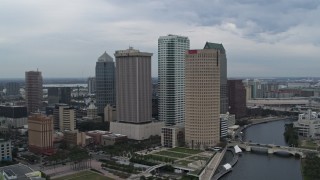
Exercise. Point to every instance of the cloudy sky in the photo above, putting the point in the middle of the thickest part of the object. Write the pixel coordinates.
(65, 38)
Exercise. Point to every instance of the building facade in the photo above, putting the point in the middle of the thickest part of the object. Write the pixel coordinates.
(308, 124)
(172, 136)
(105, 82)
(91, 85)
(133, 86)
(40, 134)
(12, 89)
(223, 75)
(33, 91)
(171, 77)
(237, 98)
(59, 95)
(13, 116)
(67, 118)
(202, 100)
(6, 150)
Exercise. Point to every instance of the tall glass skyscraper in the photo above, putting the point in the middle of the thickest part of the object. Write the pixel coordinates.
(171, 59)
(105, 81)
(223, 75)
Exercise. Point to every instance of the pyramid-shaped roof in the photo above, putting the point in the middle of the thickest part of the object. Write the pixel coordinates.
(105, 57)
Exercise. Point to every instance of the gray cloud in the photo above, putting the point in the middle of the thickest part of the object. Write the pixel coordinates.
(64, 38)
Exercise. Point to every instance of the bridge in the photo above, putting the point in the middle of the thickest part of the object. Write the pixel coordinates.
(271, 148)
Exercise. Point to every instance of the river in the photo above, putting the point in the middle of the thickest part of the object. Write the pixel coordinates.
(261, 166)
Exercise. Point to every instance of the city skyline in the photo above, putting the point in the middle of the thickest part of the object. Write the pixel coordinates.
(70, 35)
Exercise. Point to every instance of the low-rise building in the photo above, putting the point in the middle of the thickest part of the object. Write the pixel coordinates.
(75, 138)
(308, 124)
(172, 136)
(111, 139)
(6, 150)
(97, 135)
(137, 131)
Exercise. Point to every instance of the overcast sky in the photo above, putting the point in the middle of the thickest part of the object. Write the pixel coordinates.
(64, 38)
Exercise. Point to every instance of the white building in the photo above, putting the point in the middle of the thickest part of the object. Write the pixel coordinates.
(308, 124)
(171, 59)
(137, 131)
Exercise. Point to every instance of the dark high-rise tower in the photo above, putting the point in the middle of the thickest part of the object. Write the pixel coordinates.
(222, 58)
(133, 85)
(33, 91)
(237, 98)
(105, 82)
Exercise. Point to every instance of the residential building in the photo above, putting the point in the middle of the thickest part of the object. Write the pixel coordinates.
(172, 136)
(91, 85)
(33, 90)
(59, 95)
(223, 75)
(6, 150)
(40, 134)
(237, 98)
(202, 100)
(171, 78)
(105, 82)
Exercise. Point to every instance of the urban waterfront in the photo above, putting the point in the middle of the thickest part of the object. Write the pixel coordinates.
(252, 166)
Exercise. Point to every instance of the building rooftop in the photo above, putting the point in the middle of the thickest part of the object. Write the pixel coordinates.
(19, 170)
(210, 45)
(105, 58)
(131, 52)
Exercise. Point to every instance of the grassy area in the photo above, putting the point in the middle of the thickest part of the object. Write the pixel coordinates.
(185, 150)
(183, 163)
(172, 154)
(84, 175)
(161, 158)
(196, 158)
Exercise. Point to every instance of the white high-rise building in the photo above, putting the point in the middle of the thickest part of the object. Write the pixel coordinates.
(171, 59)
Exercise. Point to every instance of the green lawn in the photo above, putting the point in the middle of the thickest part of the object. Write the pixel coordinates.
(172, 154)
(185, 150)
(183, 163)
(84, 175)
(196, 158)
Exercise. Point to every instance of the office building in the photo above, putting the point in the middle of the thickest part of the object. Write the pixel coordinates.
(33, 91)
(133, 77)
(6, 150)
(308, 124)
(91, 85)
(111, 139)
(92, 113)
(172, 136)
(13, 116)
(40, 133)
(67, 118)
(59, 95)
(134, 95)
(75, 138)
(202, 100)
(12, 89)
(110, 114)
(105, 82)
(171, 75)
(237, 98)
(223, 74)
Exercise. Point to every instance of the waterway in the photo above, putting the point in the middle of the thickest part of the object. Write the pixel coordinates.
(261, 166)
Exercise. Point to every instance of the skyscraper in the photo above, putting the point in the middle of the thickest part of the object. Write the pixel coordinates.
(40, 133)
(33, 91)
(237, 98)
(12, 88)
(133, 85)
(105, 82)
(59, 95)
(202, 89)
(171, 69)
(223, 75)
